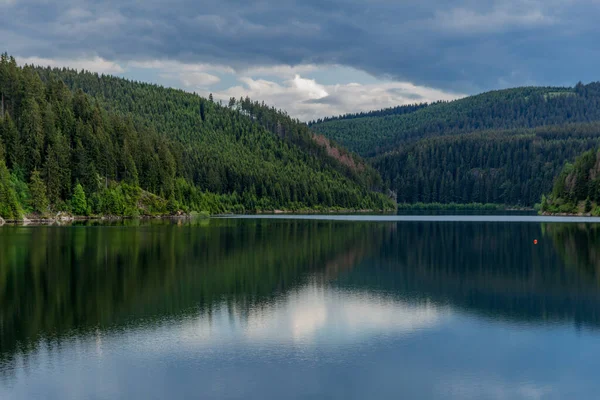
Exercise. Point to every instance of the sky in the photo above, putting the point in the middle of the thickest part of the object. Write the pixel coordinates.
(314, 58)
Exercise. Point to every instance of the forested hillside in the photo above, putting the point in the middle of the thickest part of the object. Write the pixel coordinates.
(504, 109)
(89, 144)
(577, 188)
(503, 147)
(398, 110)
(513, 167)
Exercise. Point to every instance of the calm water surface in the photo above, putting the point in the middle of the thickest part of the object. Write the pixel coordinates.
(272, 308)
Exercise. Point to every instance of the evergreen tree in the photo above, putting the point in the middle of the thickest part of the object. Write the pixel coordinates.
(139, 148)
(9, 204)
(39, 201)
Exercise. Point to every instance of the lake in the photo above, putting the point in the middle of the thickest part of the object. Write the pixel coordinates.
(363, 307)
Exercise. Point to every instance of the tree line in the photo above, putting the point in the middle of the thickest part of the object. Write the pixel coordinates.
(512, 167)
(576, 190)
(527, 107)
(85, 143)
(398, 110)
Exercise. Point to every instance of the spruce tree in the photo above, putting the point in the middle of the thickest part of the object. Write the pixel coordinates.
(9, 205)
(39, 201)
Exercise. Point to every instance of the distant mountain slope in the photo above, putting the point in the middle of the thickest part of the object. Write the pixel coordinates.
(398, 110)
(513, 167)
(192, 119)
(107, 141)
(526, 107)
(502, 147)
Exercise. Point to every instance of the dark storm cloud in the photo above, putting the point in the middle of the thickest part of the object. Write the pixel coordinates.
(460, 45)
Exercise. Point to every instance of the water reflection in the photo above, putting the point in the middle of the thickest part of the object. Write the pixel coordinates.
(489, 268)
(291, 308)
(56, 280)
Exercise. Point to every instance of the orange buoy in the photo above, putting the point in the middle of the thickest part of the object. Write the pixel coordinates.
(535, 241)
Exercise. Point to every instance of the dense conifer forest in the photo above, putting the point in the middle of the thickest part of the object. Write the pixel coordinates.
(89, 144)
(577, 188)
(502, 147)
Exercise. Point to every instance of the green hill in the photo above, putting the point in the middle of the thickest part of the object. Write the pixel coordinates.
(87, 143)
(513, 167)
(501, 147)
(526, 107)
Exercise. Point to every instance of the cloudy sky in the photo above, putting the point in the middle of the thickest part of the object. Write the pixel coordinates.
(314, 57)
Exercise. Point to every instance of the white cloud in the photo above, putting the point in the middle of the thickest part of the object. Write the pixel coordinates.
(307, 99)
(301, 317)
(194, 79)
(190, 76)
(94, 64)
(302, 97)
(340, 315)
(309, 86)
(199, 79)
(169, 66)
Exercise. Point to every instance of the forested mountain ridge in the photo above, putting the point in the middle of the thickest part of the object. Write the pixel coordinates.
(398, 110)
(512, 167)
(189, 117)
(502, 147)
(526, 107)
(84, 143)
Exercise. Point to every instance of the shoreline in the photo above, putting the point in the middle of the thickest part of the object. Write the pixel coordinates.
(66, 218)
(562, 214)
(61, 219)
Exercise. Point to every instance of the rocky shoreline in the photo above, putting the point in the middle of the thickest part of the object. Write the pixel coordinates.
(562, 214)
(66, 218)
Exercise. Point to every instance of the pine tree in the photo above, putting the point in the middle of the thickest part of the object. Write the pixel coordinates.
(32, 134)
(10, 137)
(9, 205)
(39, 201)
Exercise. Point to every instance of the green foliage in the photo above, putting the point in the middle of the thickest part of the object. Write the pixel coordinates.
(526, 107)
(101, 131)
(9, 204)
(56, 281)
(513, 167)
(449, 206)
(21, 190)
(577, 187)
(37, 188)
(503, 147)
(398, 110)
(119, 200)
(79, 204)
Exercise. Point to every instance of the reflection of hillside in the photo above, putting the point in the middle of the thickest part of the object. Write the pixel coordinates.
(488, 268)
(54, 280)
(578, 246)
